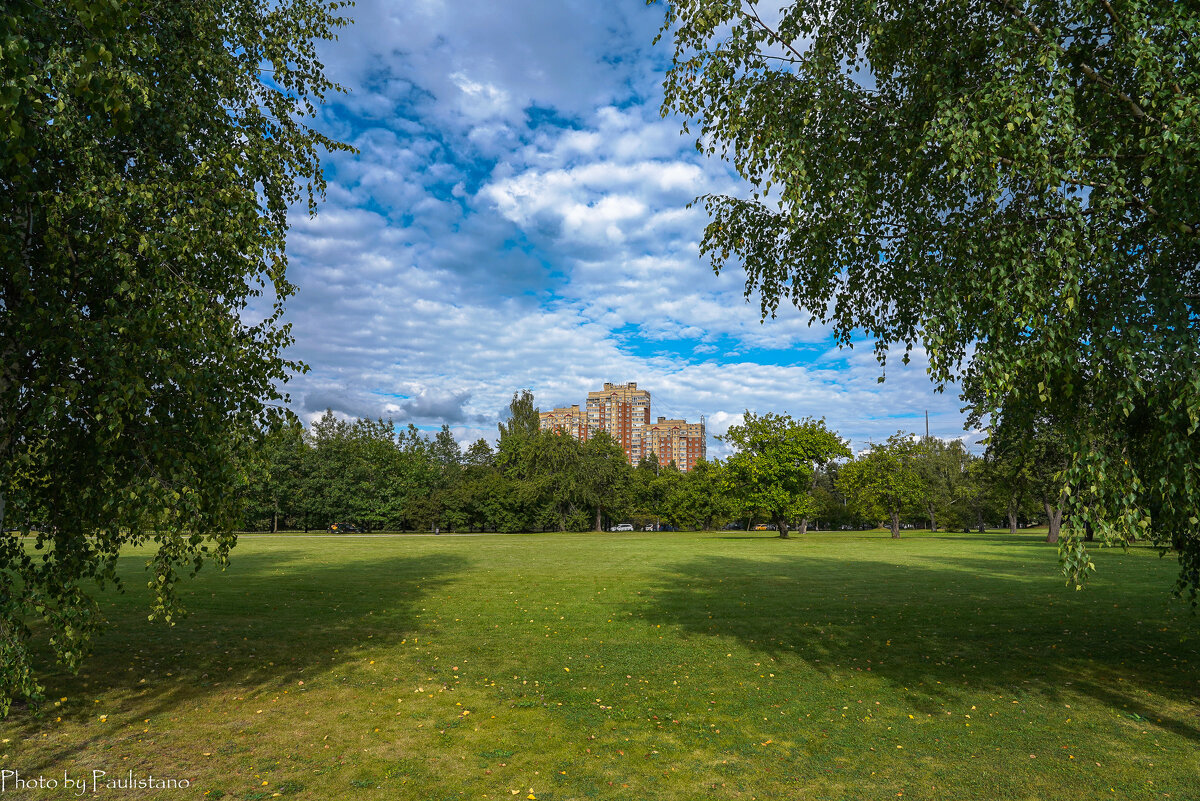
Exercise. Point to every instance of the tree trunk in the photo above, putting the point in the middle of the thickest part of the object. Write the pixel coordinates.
(1089, 533)
(1054, 516)
(803, 529)
(932, 519)
(783, 529)
(274, 521)
(895, 525)
(979, 522)
(598, 510)
(1012, 520)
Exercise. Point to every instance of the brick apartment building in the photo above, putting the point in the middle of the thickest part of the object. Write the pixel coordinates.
(567, 420)
(623, 411)
(675, 440)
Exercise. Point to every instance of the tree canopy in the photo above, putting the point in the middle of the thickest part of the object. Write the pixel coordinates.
(1010, 183)
(774, 461)
(151, 153)
(887, 480)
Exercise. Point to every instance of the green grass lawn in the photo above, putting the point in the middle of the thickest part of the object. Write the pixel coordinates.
(638, 666)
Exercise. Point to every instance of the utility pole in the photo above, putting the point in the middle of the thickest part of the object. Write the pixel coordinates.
(926, 424)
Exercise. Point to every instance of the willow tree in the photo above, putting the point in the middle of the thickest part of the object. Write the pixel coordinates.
(1009, 183)
(150, 154)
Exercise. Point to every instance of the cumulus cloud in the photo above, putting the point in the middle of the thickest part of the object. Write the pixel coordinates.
(517, 216)
(435, 406)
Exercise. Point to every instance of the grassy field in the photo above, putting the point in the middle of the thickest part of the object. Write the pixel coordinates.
(637, 666)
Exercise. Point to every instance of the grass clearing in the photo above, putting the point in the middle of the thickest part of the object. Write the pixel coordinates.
(664, 666)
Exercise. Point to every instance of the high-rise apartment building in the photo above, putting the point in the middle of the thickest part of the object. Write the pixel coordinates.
(567, 420)
(623, 411)
(675, 441)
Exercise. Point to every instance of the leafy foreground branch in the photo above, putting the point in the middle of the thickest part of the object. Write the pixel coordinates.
(1010, 185)
(147, 168)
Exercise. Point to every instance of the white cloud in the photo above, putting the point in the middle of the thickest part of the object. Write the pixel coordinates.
(516, 217)
(482, 100)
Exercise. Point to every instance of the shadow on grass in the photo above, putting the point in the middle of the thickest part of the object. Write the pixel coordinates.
(271, 620)
(1028, 539)
(946, 630)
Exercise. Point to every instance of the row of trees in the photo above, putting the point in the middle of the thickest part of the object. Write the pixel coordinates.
(366, 473)
(790, 473)
(940, 485)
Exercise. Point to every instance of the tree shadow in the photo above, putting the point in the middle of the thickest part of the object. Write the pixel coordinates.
(944, 630)
(261, 625)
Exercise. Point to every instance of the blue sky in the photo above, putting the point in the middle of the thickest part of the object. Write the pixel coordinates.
(516, 217)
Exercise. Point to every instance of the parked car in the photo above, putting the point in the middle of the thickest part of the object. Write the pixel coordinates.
(764, 527)
(622, 527)
(343, 528)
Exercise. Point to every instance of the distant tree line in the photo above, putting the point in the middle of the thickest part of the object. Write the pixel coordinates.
(792, 475)
(367, 473)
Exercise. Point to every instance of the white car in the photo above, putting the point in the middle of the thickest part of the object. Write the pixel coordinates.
(622, 527)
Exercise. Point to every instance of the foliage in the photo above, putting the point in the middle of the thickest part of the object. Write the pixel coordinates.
(1011, 183)
(698, 500)
(772, 468)
(151, 153)
(1009, 480)
(274, 490)
(834, 509)
(356, 473)
(649, 488)
(886, 480)
(605, 480)
(522, 459)
(945, 470)
(1032, 450)
(974, 498)
(523, 419)
(467, 507)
